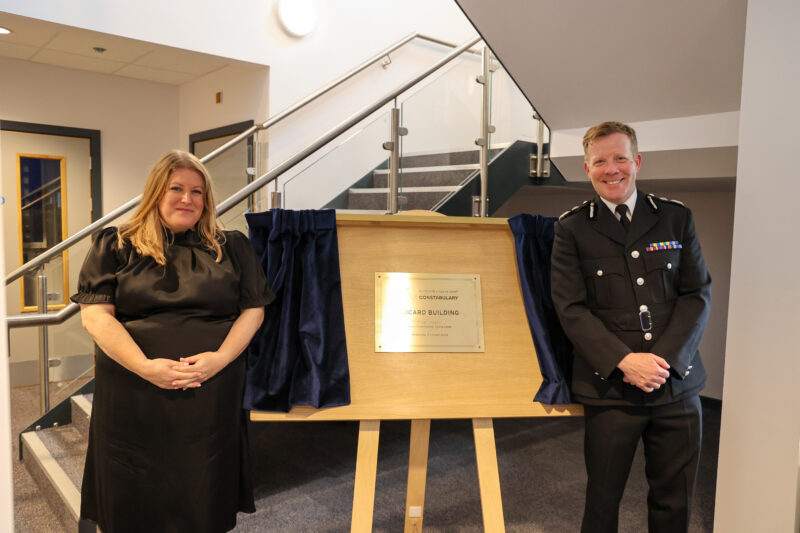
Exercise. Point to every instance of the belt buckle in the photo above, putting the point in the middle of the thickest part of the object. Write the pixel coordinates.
(646, 320)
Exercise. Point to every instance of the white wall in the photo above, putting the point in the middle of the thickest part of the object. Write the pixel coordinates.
(758, 457)
(245, 96)
(138, 120)
(712, 212)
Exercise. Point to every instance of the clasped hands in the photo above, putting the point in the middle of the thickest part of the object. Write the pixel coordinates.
(186, 373)
(646, 371)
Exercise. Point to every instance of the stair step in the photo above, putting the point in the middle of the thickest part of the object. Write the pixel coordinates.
(81, 412)
(418, 197)
(55, 458)
(427, 176)
(413, 170)
(455, 157)
(385, 190)
(68, 446)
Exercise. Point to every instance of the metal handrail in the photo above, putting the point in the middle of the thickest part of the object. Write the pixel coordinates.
(121, 210)
(227, 204)
(354, 119)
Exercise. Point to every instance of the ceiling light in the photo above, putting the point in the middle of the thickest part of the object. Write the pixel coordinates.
(4, 31)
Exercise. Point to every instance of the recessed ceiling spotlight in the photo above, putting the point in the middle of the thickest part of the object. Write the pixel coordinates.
(4, 31)
(99, 49)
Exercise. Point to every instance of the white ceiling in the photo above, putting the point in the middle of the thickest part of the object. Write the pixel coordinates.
(66, 46)
(582, 62)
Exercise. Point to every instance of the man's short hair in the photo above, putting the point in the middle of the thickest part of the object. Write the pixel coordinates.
(608, 128)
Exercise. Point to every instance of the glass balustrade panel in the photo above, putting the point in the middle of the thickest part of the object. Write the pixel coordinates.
(70, 347)
(231, 170)
(443, 117)
(233, 219)
(511, 113)
(346, 173)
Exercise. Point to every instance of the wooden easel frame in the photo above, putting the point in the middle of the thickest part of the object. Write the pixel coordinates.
(498, 383)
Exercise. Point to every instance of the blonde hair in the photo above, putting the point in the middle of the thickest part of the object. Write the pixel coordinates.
(608, 128)
(147, 231)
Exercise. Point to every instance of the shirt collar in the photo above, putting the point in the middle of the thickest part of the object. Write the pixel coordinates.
(630, 202)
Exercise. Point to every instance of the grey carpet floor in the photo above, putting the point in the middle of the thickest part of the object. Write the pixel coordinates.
(304, 475)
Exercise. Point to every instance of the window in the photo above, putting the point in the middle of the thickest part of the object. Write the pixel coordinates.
(42, 225)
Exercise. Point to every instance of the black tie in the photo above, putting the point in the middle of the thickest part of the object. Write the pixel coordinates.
(622, 211)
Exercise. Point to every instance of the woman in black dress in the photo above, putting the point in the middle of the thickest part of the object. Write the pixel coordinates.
(171, 301)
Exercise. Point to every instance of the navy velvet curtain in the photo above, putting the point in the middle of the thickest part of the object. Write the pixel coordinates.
(533, 238)
(299, 355)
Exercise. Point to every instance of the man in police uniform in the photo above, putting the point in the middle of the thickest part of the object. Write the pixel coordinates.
(633, 294)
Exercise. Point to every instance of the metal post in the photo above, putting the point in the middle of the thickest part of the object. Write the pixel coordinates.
(394, 160)
(44, 348)
(476, 206)
(540, 162)
(252, 170)
(539, 145)
(393, 146)
(486, 129)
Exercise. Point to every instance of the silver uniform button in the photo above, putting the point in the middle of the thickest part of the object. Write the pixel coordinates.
(599, 272)
(597, 373)
(686, 373)
(669, 266)
(640, 281)
(635, 254)
(648, 336)
(690, 367)
(643, 308)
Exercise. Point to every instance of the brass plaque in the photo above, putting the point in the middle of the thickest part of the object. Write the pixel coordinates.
(428, 312)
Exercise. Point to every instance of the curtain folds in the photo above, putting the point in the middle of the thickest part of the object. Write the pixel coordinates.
(299, 355)
(533, 238)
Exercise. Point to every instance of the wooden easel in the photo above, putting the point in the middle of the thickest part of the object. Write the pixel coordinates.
(500, 382)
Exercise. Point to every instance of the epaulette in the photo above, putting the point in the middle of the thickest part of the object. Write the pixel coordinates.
(588, 204)
(651, 201)
(676, 202)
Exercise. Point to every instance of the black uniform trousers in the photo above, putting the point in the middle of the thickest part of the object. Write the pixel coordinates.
(671, 434)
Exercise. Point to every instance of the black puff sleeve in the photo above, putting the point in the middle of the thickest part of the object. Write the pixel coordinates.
(253, 289)
(97, 282)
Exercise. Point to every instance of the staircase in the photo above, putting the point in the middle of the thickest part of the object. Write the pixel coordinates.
(426, 179)
(54, 456)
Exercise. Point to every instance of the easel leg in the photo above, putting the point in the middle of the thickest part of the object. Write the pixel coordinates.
(366, 470)
(488, 475)
(417, 471)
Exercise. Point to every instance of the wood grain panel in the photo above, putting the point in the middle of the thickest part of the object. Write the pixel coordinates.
(498, 383)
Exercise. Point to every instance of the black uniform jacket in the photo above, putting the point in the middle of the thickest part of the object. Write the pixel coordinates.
(613, 296)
